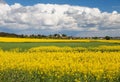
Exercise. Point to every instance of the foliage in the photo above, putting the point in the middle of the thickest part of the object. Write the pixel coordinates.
(54, 36)
(107, 37)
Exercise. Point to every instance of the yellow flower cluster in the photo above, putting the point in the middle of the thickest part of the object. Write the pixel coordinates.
(61, 63)
(110, 41)
(6, 39)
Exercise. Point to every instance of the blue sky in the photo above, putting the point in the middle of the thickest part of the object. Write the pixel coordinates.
(71, 17)
(103, 5)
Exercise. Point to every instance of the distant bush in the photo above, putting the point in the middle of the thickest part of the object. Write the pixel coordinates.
(107, 37)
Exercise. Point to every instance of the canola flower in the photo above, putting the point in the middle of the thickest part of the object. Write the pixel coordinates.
(8, 39)
(60, 64)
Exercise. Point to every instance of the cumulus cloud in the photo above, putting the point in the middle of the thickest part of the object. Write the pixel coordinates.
(54, 17)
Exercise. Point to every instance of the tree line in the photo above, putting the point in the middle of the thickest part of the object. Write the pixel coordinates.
(52, 36)
(4, 34)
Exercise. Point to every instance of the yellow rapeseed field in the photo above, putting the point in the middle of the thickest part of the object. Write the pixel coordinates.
(7, 39)
(61, 64)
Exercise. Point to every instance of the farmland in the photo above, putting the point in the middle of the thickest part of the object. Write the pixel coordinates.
(59, 60)
(25, 44)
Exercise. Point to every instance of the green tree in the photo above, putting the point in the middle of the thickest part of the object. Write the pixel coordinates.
(107, 37)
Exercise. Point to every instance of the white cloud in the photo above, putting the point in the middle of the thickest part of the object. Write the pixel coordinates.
(55, 17)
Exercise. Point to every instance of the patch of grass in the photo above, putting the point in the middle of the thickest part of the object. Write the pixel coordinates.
(28, 45)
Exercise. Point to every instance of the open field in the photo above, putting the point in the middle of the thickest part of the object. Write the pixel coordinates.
(59, 60)
(26, 43)
(61, 64)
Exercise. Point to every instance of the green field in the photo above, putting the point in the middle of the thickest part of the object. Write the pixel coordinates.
(28, 45)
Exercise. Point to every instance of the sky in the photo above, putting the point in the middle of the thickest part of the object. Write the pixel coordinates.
(71, 17)
(104, 5)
